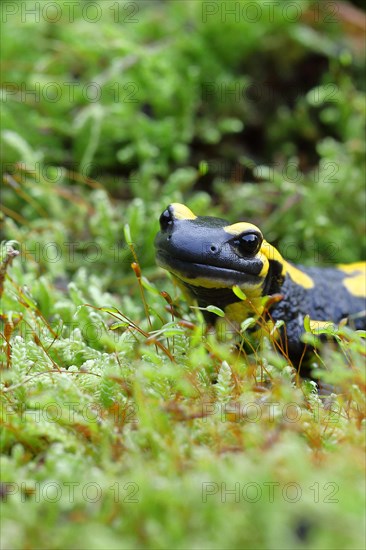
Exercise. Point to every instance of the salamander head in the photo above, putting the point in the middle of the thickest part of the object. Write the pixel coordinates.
(205, 252)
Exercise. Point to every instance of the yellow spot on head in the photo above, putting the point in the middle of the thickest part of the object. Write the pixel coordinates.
(240, 227)
(182, 212)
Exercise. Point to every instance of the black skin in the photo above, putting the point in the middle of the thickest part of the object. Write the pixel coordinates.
(329, 299)
(296, 303)
(201, 248)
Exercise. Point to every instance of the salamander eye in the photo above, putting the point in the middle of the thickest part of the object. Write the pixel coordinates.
(165, 220)
(248, 243)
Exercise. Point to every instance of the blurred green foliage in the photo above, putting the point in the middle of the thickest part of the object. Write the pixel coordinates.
(110, 111)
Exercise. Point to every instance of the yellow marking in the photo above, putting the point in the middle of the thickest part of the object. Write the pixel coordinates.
(238, 311)
(181, 212)
(356, 266)
(263, 258)
(235, 314)
(201, 281)
(271, 253)
(356, 285)
(267, 328)
(251, 290)
(266, 253)
(355, 280)
(298, 276)
(237, 228)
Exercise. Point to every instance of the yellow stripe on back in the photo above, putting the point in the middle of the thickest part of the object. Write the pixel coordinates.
(355, 280)
(356, 266)
(298, 276)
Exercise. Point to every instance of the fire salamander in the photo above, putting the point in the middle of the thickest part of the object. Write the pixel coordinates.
(207, 256)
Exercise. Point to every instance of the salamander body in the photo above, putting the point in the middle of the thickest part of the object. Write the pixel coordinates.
(207, 256)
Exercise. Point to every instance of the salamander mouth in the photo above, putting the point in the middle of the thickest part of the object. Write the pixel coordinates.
(189, 271)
